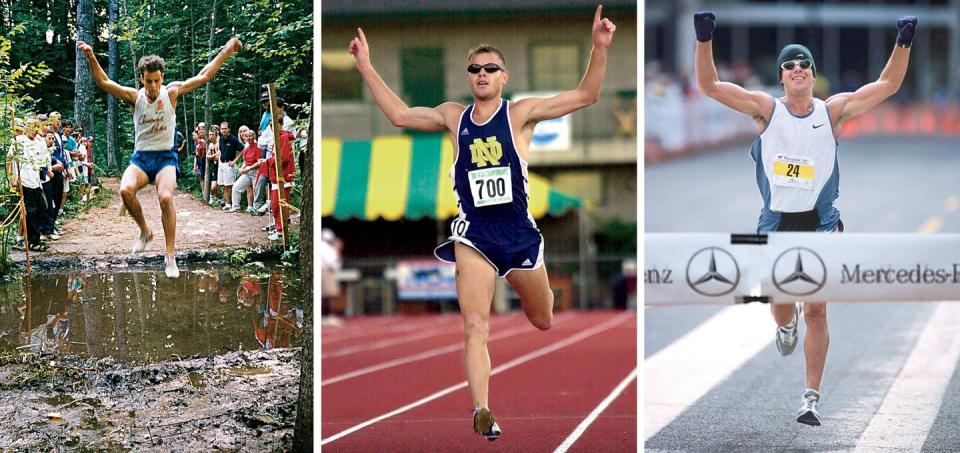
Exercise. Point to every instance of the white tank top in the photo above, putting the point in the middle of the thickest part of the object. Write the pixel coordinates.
(798, 155)
(154, 123)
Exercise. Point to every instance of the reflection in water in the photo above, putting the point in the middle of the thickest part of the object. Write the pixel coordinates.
(144, 316)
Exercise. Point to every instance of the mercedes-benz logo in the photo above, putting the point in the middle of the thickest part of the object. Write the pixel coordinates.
(792, 277)
(714, 274)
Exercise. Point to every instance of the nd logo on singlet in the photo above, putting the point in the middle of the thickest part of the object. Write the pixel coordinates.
(482, 153)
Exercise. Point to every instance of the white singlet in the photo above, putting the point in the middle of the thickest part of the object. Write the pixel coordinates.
(154, 123)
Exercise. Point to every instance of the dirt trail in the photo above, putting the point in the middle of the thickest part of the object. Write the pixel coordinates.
(103, 232)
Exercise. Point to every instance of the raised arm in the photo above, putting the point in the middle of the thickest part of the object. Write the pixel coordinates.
(397, 111)
(847, 105)
(754, 103)
(206, 74)
(587, 93)
(125, 94)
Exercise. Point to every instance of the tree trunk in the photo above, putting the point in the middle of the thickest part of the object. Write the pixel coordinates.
(83, 90)
(206, 101)
(303, 432)
(114, 57)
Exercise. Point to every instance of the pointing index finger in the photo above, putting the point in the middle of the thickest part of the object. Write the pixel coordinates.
(596, 15)
(363, 37)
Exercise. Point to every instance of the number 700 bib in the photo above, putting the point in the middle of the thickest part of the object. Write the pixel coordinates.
(793, 171)
(491, 186)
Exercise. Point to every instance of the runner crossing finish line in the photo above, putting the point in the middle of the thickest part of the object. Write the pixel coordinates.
(723, 269)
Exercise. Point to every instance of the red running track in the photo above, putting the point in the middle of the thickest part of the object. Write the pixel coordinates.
(547, 385)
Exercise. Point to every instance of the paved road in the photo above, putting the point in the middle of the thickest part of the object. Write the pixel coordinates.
(891, 383)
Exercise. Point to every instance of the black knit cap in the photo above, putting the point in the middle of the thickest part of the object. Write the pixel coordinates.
(795, 52)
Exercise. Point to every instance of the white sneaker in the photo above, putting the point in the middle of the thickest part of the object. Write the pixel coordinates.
(787, 335)
(170, 266)
(141, 243)
(808, 413)
(232, 209)
(275, 236)
(264, 208)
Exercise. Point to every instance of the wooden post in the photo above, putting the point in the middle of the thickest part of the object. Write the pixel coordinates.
(278, 160)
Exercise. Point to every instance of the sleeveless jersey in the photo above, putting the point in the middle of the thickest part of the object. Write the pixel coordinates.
(154, 123)
(796, 166)
(489, 177)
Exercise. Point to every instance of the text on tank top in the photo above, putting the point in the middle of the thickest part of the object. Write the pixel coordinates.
(489, 177)
(154, 123)
(798, 155)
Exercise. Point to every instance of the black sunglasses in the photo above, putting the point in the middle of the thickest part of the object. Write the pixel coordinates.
(789, 65)
(489, 67)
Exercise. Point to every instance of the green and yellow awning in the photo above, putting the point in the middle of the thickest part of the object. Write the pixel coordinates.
(403, 176)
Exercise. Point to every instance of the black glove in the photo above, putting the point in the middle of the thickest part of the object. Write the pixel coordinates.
(704, 24)
(906, 27)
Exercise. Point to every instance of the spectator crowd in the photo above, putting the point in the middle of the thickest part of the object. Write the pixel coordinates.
(242, 167)
(53, 164)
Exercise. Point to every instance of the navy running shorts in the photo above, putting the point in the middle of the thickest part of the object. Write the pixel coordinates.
(151, 162)
(505, 245)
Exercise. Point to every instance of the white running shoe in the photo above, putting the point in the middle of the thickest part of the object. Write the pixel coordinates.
(170, 266)
(787, 335)
(808, 414)
(141, 243)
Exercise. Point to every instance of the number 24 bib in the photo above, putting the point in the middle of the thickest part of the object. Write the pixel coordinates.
(491, 186)
(793, 171)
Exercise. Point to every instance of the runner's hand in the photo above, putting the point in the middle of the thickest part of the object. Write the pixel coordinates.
(359, 49)
(234, 45)
(704, 23)
(602, 30)
(85, 48)
(906, 27)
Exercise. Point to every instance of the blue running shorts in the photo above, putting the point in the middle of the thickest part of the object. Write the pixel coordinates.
(505, 245)
(151, 162)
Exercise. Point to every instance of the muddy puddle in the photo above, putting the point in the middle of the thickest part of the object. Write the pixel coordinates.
(142, 316)
(129, 360)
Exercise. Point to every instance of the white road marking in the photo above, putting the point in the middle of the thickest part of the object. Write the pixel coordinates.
(911, 404)
(579, 430)
(681, 373)
(609, 324)
(434, 352)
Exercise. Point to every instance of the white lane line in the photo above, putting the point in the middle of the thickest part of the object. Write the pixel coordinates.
(609, 324)
(436, 332)
(579, 430)
(435, 352)
(401, 325)
(681, 373)
(911, 405)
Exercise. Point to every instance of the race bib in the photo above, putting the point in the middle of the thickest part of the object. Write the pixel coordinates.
(458, 228)
(491, 186)
(793, 171)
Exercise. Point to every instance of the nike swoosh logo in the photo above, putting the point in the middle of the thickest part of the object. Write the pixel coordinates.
(818, 125)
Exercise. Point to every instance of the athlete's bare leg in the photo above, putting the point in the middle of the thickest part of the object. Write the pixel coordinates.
(782, 313)
(475, 286)
(533, 287)
(132, 181)
(166, 186)
(816, 341)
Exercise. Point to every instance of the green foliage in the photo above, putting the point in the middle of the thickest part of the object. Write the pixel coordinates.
(239, 257)
(617, 237)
